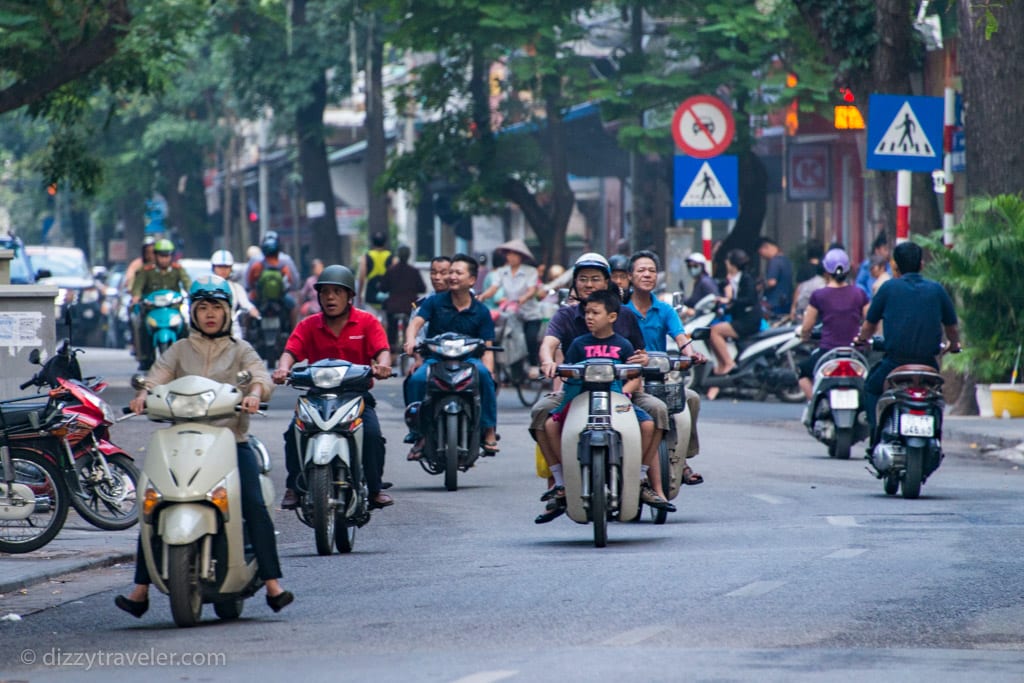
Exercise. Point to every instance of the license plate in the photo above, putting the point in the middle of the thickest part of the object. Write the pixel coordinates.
(271, 324)
(844, 399)
(917, 425)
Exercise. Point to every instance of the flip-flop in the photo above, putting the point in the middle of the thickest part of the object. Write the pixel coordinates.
(416, 453)
(490, 447)
(691, 478)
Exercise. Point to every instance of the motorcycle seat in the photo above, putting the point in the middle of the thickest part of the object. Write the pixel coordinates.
(18, 416)
(922, 375)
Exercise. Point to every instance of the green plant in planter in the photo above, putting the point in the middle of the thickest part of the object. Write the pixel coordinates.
(985, 273)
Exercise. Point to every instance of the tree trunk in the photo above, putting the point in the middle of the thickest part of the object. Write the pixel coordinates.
(753, 206)
(376, 144)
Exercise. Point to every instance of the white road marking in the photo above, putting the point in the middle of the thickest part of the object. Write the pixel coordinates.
(754, 589)
(487, 676)
(841, 520)
(773, 500)
(846, 553)
(634, 636)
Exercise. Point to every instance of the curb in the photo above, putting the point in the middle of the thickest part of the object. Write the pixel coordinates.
(34, 574)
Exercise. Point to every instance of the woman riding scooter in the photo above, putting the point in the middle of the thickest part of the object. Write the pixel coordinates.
(213, 353)
(743, 309)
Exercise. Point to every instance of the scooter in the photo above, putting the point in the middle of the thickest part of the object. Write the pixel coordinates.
(908, 428)
(448, 418)
(835, 415)
(269, 333)
(766, 363)
(334, 500)
(192, 534)
(602, 482)
(663, 379)
(162, 319)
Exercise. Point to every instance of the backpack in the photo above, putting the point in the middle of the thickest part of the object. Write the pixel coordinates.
(376, 267)
(270, 284)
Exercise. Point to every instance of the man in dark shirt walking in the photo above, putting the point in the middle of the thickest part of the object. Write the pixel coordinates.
(778, 277)
(403, 285)
(916, 311)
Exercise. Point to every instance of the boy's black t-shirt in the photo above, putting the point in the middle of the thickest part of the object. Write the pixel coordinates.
(587, 346)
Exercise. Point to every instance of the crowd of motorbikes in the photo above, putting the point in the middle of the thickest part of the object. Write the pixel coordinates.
(56, 453)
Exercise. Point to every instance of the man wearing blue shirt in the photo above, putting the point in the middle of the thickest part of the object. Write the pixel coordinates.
(658, 320)
(457, 310)
(916, 311)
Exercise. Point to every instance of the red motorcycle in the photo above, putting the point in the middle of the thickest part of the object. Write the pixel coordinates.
(100, 478)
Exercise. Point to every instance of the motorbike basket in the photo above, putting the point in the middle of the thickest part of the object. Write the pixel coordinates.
(674, 395)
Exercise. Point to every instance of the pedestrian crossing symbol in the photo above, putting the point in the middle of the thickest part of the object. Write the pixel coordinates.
(706, 188)
(905, 136)
(904, 133)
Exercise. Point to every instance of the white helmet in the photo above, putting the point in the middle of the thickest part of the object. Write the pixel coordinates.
(222, 257)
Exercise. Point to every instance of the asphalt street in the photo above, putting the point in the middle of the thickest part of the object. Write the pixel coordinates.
(785, 565)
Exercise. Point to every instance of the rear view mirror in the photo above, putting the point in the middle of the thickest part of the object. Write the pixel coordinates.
(139, 382)
(244, 377)
(33, 357)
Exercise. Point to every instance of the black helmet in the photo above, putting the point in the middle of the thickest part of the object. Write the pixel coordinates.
(337, 275)
(619, 262)
(270, 246)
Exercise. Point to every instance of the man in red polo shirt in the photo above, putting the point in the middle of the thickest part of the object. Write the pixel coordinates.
(339, 331)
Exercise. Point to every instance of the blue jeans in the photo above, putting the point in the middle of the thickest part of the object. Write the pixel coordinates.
(417, 389)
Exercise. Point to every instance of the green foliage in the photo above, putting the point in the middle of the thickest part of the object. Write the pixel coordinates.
(983, 271)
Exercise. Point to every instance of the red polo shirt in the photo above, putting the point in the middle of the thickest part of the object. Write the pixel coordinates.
(360, 340)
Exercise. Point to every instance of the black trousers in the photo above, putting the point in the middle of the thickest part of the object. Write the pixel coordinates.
(257, 520)
(373, 450)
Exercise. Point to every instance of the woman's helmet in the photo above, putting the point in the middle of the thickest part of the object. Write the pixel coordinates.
(337, 275)
(591, 260)
(619, 262)
(215, 289)
(836, 263)
(222, 257)
(163, 247)
(696, 257)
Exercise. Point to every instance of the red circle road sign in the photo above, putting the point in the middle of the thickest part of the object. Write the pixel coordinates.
(703, 126)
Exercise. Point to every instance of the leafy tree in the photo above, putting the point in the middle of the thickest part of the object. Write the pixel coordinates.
(983, 272)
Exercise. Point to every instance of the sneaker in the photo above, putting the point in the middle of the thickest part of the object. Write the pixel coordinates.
(649, 497)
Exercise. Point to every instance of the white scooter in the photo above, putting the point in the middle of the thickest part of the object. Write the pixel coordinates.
(602, 481)
(193, 540)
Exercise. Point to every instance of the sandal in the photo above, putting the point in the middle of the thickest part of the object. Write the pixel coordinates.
(490, 448)
(417, 451)
(691, 478)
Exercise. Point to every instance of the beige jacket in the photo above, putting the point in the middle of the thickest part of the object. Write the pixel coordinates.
(218, 359)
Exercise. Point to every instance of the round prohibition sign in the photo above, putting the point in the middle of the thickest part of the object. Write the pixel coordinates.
(703, 126)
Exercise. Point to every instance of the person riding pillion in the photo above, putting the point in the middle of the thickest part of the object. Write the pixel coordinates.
(165, 273)
(221, 263)
(212, 352)
(339, 331)
(272, 278)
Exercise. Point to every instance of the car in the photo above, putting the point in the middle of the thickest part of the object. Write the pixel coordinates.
(22, 272)
(80, 296)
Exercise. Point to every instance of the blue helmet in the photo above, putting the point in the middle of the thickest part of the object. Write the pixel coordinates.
(211, 288)
(270, 245)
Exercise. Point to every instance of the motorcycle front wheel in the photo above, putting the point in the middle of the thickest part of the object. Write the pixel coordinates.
(451, 452)
(599, 496)
(320, 492)
(37, 472)
(344, 528)
(661, 516)
(107, 502)
(183, 585)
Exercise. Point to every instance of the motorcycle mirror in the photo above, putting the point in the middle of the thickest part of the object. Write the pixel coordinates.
(139, 382)
(243, 377)
(701, 333)
(33, 357)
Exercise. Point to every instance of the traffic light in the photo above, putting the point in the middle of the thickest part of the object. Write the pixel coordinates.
(847, 116)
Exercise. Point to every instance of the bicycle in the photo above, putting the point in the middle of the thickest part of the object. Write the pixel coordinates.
(513, 365)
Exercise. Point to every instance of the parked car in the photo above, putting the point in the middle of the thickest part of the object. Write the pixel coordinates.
(79, 294)
(22, 272)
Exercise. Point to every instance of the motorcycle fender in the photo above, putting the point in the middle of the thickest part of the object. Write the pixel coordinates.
(325, 447)
(108, 448)
(916, 442)
(844, 419)
(165, 335)
(186, 523)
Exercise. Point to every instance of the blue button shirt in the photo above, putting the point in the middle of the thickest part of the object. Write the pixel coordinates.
(443, 316)
(914, 310)
(661, 320)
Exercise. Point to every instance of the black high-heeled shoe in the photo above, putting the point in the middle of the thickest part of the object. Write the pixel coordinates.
(280, 601)
(136, 608)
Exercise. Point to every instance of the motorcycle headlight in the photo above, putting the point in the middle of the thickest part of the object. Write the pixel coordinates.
(603, 373)
(450, 348)
(165, 299)
(151, 322)
(189, 407)
(329, 377)
(175, 320)
(89, 296)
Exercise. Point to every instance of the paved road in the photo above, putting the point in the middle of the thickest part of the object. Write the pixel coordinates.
(786, 565)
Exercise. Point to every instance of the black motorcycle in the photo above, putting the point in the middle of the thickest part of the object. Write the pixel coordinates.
(908, 428)
(328, 427)
(269, 333)
(448, 418)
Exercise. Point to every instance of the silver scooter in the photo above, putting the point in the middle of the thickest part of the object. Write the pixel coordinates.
(192, 536)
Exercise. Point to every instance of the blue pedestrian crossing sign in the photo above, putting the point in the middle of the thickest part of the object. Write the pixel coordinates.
(904, 133)
(706, 188)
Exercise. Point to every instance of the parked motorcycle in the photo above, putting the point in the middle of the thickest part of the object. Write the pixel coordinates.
(448, 418)
(163, 320)
(602, 482)
(663, 379)
(334, 500)
(192, 534)
(835, 415)
(908, 428)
